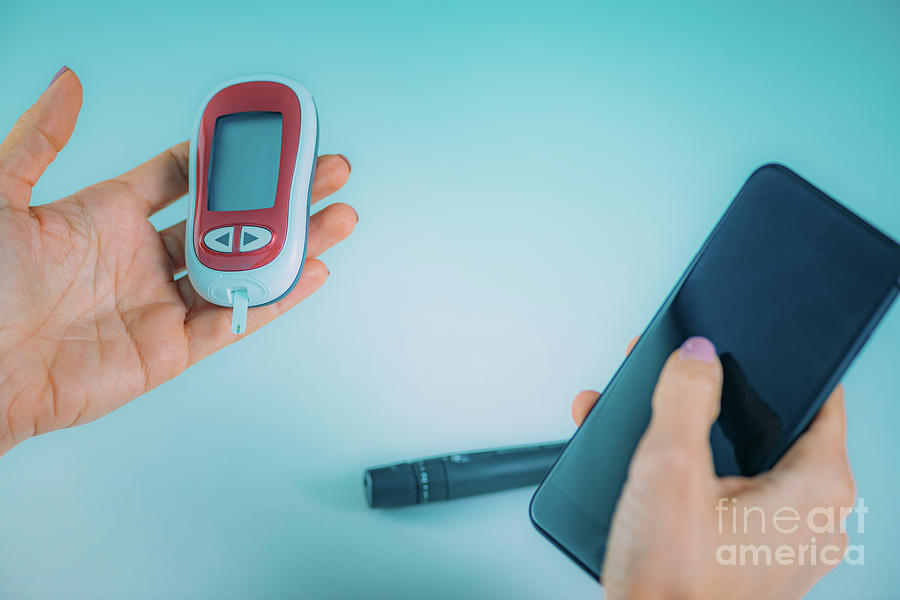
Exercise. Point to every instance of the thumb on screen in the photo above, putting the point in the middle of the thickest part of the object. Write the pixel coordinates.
(685, 405)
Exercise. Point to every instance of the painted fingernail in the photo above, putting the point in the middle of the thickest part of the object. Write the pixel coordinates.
(698, 348)
(346, 160)
(62, 70)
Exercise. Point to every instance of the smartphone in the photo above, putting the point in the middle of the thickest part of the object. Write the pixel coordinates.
(789, 286)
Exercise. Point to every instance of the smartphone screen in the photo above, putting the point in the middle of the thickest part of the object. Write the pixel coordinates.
(788, 286)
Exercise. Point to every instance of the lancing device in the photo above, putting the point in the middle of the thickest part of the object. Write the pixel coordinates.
(253, 153)
(458, 475)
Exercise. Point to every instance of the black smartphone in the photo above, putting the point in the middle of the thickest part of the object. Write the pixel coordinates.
(789, 285)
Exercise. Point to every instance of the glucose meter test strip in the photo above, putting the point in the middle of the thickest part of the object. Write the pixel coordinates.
(252, 160)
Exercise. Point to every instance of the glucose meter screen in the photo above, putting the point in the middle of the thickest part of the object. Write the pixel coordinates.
(243, 166)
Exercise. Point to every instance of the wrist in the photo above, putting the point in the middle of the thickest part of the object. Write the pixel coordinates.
(6, 443)
(9, 436)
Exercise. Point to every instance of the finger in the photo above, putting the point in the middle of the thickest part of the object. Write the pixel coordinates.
(332, 171)
(817, 463)
(173, 240)
(192, 300)
(831, 422)
(686, 402)
(582, 405)
(209, 329)
(329, 226)
(37, 137)
(631, 345)
(734, 485)
(161, 180)
(825, 441)
(584, 401)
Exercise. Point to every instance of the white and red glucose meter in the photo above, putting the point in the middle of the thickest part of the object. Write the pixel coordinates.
(252, 161)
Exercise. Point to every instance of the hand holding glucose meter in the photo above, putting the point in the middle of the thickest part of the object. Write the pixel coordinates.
(253, 156)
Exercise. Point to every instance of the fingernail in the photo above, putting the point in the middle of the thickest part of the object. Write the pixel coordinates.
(698, 348)
(62, 70)
(346, 160)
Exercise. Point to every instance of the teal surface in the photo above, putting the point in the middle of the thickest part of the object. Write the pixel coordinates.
(530, 179)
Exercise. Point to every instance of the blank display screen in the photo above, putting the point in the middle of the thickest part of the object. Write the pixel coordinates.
(243, 166)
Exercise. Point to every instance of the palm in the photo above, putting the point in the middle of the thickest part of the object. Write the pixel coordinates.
(103, 320)
(92, 314)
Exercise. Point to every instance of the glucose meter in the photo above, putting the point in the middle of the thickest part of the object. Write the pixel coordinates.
(252, 159)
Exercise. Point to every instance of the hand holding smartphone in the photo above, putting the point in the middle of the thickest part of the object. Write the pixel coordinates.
(789, 285)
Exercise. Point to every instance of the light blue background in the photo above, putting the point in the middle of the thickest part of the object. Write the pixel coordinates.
(530, 179)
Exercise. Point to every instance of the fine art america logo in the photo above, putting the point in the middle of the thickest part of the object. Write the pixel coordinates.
(810, 529)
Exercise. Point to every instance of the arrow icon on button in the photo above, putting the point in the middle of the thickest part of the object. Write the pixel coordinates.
(254, 237)
(220, 239)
